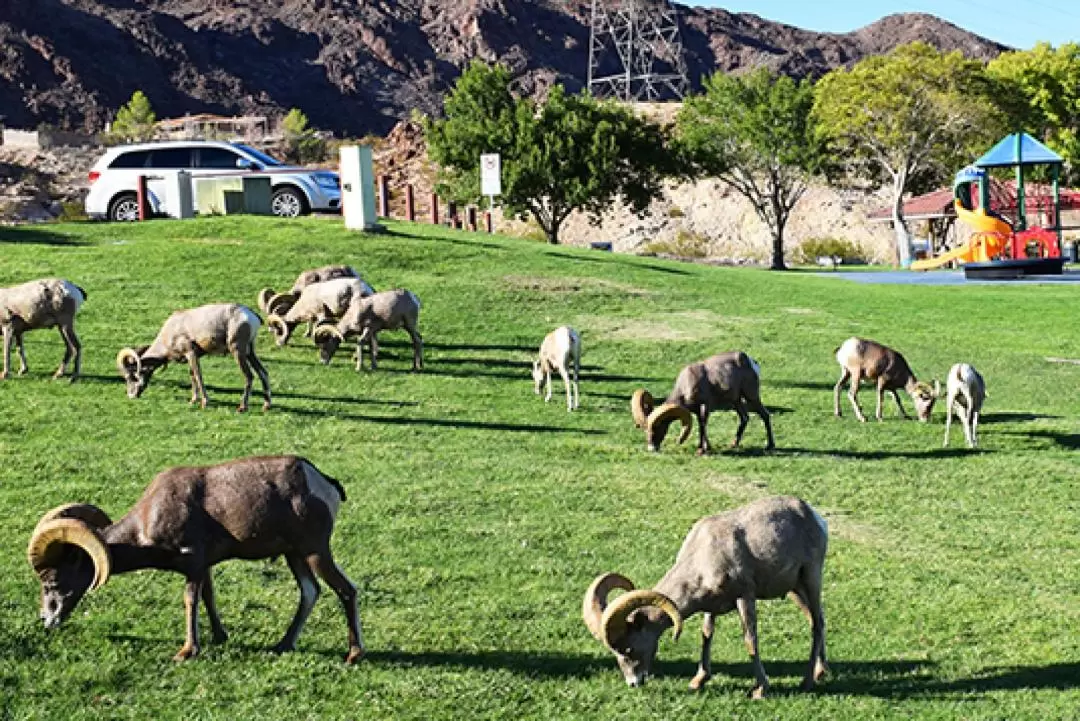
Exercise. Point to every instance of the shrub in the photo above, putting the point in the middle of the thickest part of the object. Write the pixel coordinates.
(814, 248)
(685, 244)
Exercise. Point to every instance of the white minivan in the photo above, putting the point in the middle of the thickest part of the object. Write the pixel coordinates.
(114, 177)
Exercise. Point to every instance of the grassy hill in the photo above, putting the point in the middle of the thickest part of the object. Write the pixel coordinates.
(477, 514)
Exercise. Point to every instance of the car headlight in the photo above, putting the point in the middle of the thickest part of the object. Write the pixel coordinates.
(326, 181)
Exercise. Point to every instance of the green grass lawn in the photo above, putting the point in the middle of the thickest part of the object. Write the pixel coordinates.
(477, 515)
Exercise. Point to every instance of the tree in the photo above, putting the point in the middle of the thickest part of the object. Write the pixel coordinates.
(755, 134)
(134, 121)
(302, 144)
(913, 116)
(568, 153)
(1040, 92)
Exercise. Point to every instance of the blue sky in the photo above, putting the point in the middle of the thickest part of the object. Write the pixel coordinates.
(1019, 23)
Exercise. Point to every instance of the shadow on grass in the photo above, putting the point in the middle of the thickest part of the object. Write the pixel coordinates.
(614, 259)
(462, 423)
(35, 235)
(1013, 417)
(472, 243)
(803, 385)
(477, 346)
(1064, 440)
(874, 455)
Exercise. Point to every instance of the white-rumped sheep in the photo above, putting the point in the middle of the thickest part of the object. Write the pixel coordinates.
(728, 381)
(966, 392)
(41, 304)
(764, 550)
(187, 521)
(186, 336)
(861, 360)
(389, 310)
(328, 300)
(560, 351)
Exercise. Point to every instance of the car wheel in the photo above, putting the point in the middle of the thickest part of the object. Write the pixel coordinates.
(287, 203)
(124, 208)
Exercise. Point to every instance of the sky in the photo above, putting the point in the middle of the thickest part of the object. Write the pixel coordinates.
(1017, 23)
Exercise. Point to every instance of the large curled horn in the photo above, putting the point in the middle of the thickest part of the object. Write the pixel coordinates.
(595, 601)
(93, 515)
(613, 623)
(324, 332)
(264, 299)
(668, 413)
(128, 356)
(50, 537)
(641, 405)
(276, 325)
(281, 302)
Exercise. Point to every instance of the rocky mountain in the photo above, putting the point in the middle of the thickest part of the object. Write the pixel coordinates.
(357, 66)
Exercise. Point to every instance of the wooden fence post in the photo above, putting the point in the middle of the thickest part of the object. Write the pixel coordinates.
(470, 218)
(142, 198)
(487, 222)
(384, 196)
(410, 204)
(434, 209)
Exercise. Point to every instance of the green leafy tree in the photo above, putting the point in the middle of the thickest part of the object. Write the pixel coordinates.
(568, 153)
(910, 118)
(134, 121)
(302, 143)
(1040, 91)
(755, 134)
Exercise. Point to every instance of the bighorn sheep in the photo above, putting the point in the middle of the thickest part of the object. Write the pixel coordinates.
(271, 301)
(764, 550)
(966, 392)
(861, 359)
(317, 302)
(186, 336)
(389, 310)
(561, 351)
(41, 304)
(190, 519)
(729, 381)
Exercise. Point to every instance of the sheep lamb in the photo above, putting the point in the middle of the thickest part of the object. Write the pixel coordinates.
(764, 550)
(561, 351)
(728, 381)
(389, 310)
(316, 303)
(187, 521)
(862, 359)
(41, 304)
(966, 392)
(188, 335)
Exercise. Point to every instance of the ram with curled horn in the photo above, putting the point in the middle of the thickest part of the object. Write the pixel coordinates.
(317, 303)
(764, 550)
(388, 310)
(270, 301)
(188, 520)
(728, 381)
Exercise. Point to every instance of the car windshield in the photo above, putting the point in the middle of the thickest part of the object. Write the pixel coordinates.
(263, 158)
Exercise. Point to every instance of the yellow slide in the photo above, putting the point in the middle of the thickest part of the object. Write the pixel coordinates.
(987, 241)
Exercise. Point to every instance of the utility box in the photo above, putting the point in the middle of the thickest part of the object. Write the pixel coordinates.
(210, 194)
(257, 196)
(357, 173)
(179, 202)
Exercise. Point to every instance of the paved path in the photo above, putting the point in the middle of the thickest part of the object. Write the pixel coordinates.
(942, 277)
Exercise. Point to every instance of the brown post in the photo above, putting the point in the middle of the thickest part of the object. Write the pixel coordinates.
(470, 216)
(434, 209)
(142, 198)
(451, 214)
(384, 196)
(487, 222)
(410, 204)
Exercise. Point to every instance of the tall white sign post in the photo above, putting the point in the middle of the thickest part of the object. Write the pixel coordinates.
(357, 172)
(490, 177)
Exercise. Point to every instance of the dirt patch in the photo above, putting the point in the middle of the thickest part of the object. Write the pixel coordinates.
(544, 284)
(801, 311)
(685, 325)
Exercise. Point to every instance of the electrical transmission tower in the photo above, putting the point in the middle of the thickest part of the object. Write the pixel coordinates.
(635, 52)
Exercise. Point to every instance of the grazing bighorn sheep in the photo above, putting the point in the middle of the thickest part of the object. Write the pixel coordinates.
(41, 304)
(764, 550)
(389, 310)
(966, 392)
(561, 351)
(271, 301)
(186, 336)
(861, 359)
(190, 519)
(728, 381)
(317, 302)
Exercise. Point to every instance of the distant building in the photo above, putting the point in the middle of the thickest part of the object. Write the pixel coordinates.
(205, 126)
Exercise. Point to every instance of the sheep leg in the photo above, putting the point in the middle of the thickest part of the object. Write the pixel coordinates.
(704, 447)
(853, 394)
(8, 333)
(264, 377)
(23, 366)
(577, 372)
(245, 368)
(309, 593)
(899, 405)
(807, 596)
(547, 383)
(67, 354)
(323, 564)
(704, 672)
(973, 424)
(569, 391)
(190, 649)
(845, 375)
(68, 333)
(878, 412)
(359, 348)
(374, 350)
(744, 419)
(198, 390)
(950, 408)
(216, 628)
(417, 348)
(758, 407)
(310, 329)
(748, 614)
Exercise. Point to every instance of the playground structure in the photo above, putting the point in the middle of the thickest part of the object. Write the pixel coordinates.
(1002, 244)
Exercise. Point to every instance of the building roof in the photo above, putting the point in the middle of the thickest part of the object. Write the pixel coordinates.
(1018, 149)
(178, 123)
(938, 204)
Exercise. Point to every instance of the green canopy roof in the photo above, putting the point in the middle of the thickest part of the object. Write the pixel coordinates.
(1018, 149)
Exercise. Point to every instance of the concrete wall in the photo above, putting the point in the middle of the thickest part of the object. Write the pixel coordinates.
(49, 138)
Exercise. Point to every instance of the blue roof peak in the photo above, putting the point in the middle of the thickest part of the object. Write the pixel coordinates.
(1018, 149)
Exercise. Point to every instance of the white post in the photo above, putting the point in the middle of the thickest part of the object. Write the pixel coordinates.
(357, 173)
